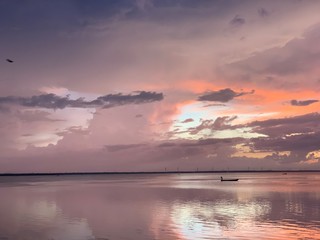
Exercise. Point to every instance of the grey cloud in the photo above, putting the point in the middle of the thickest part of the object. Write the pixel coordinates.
(263, 12)
(223, 95)
(303, 103)
(52, 101)
(237, 21)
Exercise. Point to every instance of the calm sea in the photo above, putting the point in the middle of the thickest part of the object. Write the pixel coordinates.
(185, 206)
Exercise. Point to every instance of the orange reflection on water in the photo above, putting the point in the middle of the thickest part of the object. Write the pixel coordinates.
(231, 220)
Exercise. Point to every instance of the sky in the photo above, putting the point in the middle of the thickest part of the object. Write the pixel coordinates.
(154, 85)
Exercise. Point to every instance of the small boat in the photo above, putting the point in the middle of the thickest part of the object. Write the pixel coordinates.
(229, 179)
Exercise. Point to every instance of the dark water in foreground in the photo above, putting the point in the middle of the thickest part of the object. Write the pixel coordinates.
(186, 206)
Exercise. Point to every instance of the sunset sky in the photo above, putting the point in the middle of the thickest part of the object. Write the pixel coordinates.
(148, 85)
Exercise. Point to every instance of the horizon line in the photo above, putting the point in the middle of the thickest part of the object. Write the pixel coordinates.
(148, 172)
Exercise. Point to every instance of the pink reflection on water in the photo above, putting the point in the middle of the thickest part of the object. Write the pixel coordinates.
(160, 207)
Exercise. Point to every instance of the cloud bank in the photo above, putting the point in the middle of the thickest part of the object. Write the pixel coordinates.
(52, 101)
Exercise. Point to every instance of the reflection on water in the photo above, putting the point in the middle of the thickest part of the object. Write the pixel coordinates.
(186, 206)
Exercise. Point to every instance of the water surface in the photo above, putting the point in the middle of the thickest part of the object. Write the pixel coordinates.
(185, 206)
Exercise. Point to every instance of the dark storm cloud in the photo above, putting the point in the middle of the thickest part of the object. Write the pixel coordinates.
(303, 103)
(299, 135)
(237, 21)
(223, 95)
(52, 101)
(296, 143)
(263, 12)
(283, 126)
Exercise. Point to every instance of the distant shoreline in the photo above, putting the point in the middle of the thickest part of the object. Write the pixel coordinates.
(154, 172)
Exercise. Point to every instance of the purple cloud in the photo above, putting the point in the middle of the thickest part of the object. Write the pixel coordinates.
(223, 95)
(52, 101)
(303, 103)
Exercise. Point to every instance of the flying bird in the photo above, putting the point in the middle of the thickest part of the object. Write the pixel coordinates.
(9, 60)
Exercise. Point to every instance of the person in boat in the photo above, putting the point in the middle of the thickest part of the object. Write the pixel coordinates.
(228, 179)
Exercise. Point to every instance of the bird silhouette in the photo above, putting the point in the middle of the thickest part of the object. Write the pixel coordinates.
(9, 60)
